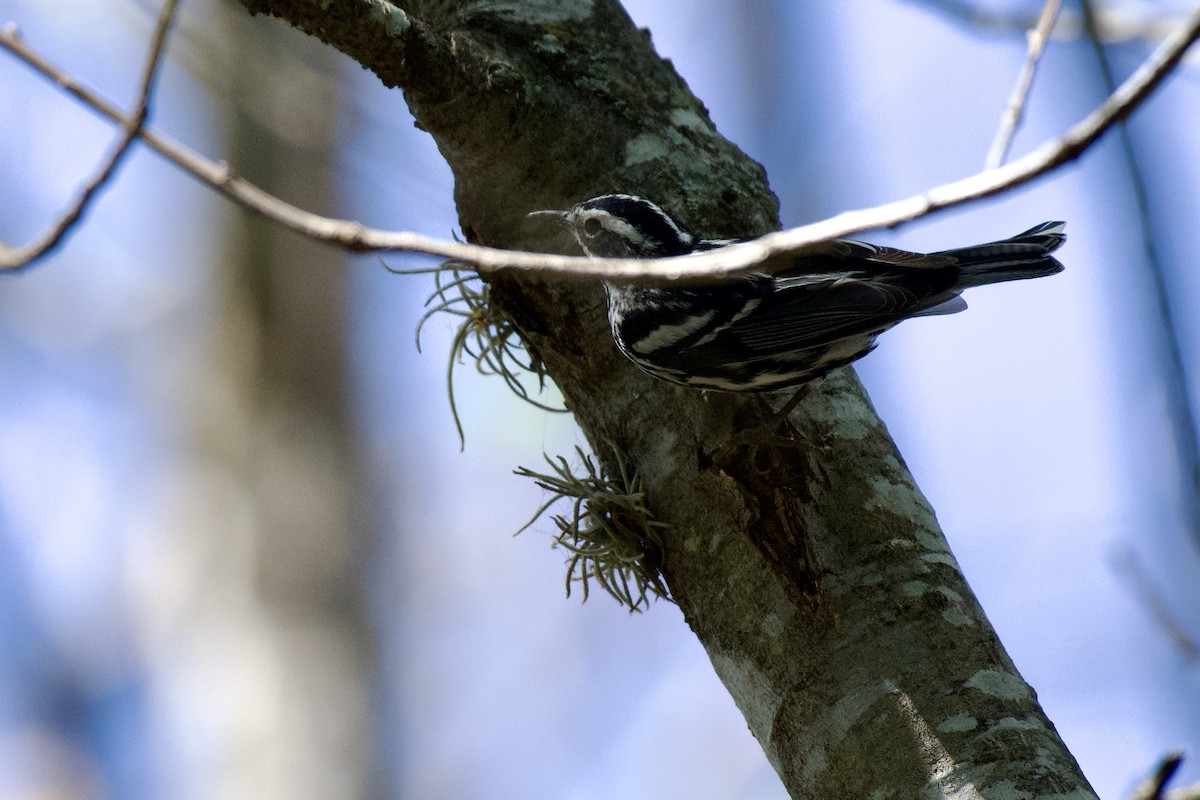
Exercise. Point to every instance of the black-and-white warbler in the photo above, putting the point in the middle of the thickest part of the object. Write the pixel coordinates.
(762, 332)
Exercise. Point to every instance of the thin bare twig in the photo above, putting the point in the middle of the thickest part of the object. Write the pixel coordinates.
(1016, 104)
(1155, 604)
(1115, 23)
(1180, 409)
(1155, 786)
(131, 128)
(711, 265)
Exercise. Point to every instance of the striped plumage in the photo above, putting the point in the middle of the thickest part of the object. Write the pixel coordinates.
(770, 331)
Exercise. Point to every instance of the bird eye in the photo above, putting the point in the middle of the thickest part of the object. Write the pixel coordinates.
(592, 226)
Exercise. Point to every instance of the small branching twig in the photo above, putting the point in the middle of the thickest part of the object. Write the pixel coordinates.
(1038, 37)
(1115, 22)
(484, 335)
(610, 534)
(131, 129)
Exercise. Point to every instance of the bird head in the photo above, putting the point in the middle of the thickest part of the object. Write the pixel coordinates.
(623, 226)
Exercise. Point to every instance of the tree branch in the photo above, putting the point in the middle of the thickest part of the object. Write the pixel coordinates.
(712, 265)
(1038, 37)
(131, 128)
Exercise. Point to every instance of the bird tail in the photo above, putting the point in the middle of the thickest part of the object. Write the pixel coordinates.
(1026, 255)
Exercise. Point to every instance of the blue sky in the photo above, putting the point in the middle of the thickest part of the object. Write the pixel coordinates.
(1035, 422)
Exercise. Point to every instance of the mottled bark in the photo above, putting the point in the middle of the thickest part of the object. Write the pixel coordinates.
(816, 577)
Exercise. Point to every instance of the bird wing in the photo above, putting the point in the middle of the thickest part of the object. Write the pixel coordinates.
(853, 252)
(856, 289)
(814, 311)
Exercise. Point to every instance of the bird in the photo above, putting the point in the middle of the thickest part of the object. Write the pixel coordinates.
(786, 326)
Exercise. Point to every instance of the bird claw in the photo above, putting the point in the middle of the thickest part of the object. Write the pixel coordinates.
(754, 438)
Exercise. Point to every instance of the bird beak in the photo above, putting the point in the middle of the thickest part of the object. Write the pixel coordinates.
(561, 217)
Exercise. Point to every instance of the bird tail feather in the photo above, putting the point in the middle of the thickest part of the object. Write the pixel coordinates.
(1026, 255)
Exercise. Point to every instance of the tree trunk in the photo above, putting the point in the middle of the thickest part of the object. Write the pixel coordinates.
(297, 725)
(816, 576)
